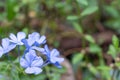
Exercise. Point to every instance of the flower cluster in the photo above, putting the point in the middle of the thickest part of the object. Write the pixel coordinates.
(30, 60)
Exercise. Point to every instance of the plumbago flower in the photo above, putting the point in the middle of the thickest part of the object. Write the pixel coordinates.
(29, 60)
(39, 40)
(6, 46)
(53, 56)
(32, 63)
(34, 41)
(17, 39)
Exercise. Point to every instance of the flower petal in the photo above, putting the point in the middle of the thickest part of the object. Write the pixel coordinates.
(58, 65)
(13, 37)
(42, 40)
(34, 35)
(30, 41)
(54, 53)
(23, 63)
(9, 48)
(56, 59)
(5, 43)
(47, 49)
(38, 49)
(30, 56)
(38, 61)
(20, 36)
(33, 70)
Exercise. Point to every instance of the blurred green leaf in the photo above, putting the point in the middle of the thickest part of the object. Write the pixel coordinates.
(10, 5)
(94, 48)
(115, 41)
(78, 27)
(89, 38)
(72, 17)
(77, 58)
(105, 72)
(93, 69)
(89, 10)
(112, 51)
(112, 11)
(83, 2)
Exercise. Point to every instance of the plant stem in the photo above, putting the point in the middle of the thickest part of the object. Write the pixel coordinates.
(19, 52)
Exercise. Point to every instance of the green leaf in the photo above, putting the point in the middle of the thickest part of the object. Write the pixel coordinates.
(94, 48)
(89, 10)
(105, 71)
(112, 51)
(83, 2)
(112, 11)
(77, 58)
(89, 38)
(77, 27)
(72, 17)
(93, 69)
(10, 5)
(115, 41)
(104, 68)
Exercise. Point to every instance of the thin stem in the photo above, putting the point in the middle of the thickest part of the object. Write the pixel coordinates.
(8, 56)
(19, 52)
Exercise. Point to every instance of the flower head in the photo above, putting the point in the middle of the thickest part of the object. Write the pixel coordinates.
(32, 42)
(32, 63)
(17, 39)
(6, 46)
(38, 40)
(53, 56)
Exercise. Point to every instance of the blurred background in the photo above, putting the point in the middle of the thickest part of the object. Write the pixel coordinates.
(86, 32)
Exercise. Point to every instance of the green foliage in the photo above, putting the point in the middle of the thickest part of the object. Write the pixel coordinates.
(83, 2)
(95, 48)
(113, 13)
(89, 38)
(78, 27)
(89, 10)
(72, 17)
(10, 6)
(46, 15)
(13, 71)
(114, 48)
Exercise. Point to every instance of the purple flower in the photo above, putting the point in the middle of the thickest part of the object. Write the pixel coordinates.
(37, 38)
(17, 39)
(31, 41)
(6, 46)
(32, 63)
(53, 56)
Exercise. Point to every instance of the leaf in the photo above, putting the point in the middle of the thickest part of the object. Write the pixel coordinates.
(77, 58)
(112, 51)
(83, 2)
(94, 48)
(93, 69)
(89, 10)
(89, 38)
(72, 17)
(104, 68)
(112, 11)
(10, 5)
(78, 27)
(115, 41)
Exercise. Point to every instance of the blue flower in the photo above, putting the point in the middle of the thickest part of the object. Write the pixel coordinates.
(53, 56)
(37, 38)
(31, 41)
(6, 46)
(17, 39)
(32, 63)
